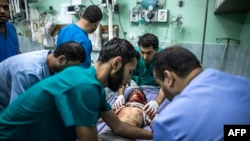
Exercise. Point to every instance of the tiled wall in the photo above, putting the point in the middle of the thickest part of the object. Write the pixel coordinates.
(236, 58)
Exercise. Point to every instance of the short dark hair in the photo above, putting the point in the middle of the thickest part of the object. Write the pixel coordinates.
(177, 59)
(118, 47)
(71, 50)
(92, 13)
(148, 40)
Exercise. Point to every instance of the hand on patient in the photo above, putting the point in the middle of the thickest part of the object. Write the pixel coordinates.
(150, 108)
(119, 102)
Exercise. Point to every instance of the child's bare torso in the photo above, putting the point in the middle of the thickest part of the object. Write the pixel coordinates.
(132, 115)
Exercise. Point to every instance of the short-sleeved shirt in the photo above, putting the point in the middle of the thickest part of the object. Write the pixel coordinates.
(19, 72)
(50, 109)
(143, 74)
(8, 45)
(210, 101)
(72, 32)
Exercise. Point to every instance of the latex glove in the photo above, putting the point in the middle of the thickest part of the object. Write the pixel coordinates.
(119, 102)
(151, 108)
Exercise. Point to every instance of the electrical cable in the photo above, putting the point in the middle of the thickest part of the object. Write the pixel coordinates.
(204, 32)
(124, 33)
(92, 2)
(235, 57)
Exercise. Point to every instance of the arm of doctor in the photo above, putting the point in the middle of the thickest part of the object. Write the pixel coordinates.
(85, 133)
(123, 128)
(120, 98)
(151, 107)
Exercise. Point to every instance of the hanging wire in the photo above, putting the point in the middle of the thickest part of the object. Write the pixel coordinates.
(92, 2)
(124, 33)
(204, 32)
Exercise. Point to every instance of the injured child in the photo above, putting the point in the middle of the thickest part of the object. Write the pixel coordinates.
(131, 112)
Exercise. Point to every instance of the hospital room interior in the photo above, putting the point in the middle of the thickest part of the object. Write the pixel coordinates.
(217, 32)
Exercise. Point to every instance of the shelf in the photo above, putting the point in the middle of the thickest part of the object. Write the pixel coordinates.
(104, 33)
(50, 47)
(233, 6)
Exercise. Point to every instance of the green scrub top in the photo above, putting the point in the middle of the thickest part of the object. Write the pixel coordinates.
(143, 75)
(51, 108)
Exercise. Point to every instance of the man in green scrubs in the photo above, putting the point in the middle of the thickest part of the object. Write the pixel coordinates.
(67, 106)
(143, 75)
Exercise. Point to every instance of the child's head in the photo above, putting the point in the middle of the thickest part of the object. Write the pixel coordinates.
(137, 95)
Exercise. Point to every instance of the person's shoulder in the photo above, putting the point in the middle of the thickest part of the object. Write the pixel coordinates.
(160, 49)
(79, 70)
(67, 27)
(9, 25)
(137, 49)
(33, 55)
(74, 68)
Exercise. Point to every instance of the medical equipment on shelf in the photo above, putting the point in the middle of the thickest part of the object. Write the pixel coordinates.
(75, 9)
(149, 10)
(134, 13)
(111, 7)
(150, 5)
(18, 10)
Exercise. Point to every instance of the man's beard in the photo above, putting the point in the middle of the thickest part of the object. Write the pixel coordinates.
(93, 30)
(115, 80)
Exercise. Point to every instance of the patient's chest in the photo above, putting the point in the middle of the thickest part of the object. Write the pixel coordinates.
(132, 115)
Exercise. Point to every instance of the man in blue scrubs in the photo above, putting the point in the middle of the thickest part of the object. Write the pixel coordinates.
(20, 72)
(8, 37)
(201, 101)
(79, 31)
(67, 105)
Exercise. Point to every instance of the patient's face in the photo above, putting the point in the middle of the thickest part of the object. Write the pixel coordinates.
(137, 95)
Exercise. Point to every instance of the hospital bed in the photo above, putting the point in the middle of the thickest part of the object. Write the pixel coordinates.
(150, 91)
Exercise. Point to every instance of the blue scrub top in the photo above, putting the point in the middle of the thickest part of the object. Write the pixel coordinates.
(73, 32)
(199, 113)
(8, 45)
(20, 72)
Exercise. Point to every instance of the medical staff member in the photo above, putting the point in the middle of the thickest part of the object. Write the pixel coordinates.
(67, 105)
(8, 36)
(202, 101)
(20, 72)
(143, 75)
(79, 31)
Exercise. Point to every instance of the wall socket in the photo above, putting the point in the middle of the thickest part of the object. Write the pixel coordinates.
(162, 15)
